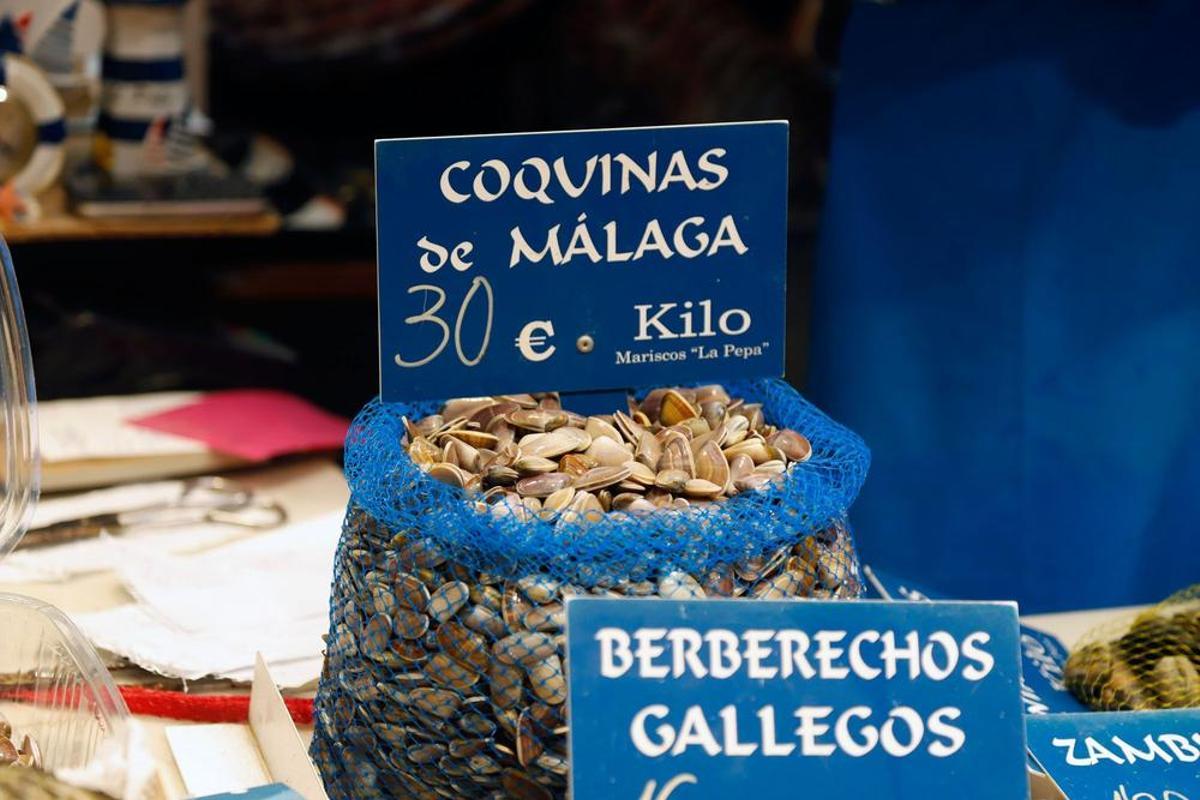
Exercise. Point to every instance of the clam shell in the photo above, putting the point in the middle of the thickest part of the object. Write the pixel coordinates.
(677, 455)
(554, 762)
(424, 452)
(575, 464)
(651, 404)
(711, 465)
(649, 450)
(524, 648)
(680, 586)
(548, 445)
(537, 419)
(548, 681)
(546, 618)
(409, 624)
(446, 671)
(448, 474)
(672, 480)
(463, 645)
(534, 465)
(539, 588)
(500, 475)
(447, 600)
(710, 393)
(697, 487)
(793, 445)
(584, 507)
(543, 485)
(482, 619)
(609, 453)
(559, 500)
(713, 412)
(465, 406)
(784, 585)
(601, 477)
(676, 408)
(507, 683)
(425, 753)
(529, 744)
(477, 439)
(598, 428)
(427, 426)
(631, 430)
(516, 606)
(520, 786)
(441, 703)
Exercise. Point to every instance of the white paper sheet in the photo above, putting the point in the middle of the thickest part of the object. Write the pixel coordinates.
(104, 553)
(97, 427)
(208, 614)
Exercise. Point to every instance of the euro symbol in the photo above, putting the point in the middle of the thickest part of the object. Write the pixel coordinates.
(532, 338)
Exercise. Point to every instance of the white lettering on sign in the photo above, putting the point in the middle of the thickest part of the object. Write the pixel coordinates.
(820, 731)
(668, 789)
(539, 180)
(1121, 793)
(1164, 747)
(653, 321)
(532, 339)
(688, 239)
(764, 654)
(547, 181)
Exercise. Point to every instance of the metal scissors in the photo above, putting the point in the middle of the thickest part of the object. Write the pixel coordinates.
(200, 500)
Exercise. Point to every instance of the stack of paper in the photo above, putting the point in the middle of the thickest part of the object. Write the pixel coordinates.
(93, 442)
(208, 614)
(103, 441)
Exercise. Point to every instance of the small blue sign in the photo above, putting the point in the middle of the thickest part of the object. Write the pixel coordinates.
(684, 700)
(581, 260)
(274, 791)
(1142, 755)
(1043, 655)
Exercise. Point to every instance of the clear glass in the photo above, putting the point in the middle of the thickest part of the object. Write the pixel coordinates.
(53, 686)
(21, 476)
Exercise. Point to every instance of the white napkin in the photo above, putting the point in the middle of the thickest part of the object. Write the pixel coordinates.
(208, 614)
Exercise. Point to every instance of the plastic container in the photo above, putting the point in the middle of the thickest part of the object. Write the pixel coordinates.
(53, 686)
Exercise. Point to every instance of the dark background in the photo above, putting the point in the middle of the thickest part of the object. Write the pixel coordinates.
(296, 310)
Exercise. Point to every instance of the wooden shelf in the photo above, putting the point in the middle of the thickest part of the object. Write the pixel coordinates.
(59, 225)
(64, 228)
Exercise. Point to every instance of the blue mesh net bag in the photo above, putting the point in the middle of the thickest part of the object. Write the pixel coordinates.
(471, 522)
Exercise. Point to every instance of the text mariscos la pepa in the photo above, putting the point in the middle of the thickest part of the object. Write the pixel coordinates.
(790, 655)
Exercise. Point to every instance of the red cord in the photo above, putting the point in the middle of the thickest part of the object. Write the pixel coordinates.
(204, 707)
(179, 705)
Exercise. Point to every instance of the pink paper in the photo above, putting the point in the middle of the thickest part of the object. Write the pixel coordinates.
(255, 424)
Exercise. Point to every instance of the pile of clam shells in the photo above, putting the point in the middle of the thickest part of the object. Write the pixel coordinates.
(1154, 665)
(445, 682)
(526, 455)
(441, 682)
(27, 755)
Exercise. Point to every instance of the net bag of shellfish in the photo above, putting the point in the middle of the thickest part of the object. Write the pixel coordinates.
(1149, 662)
(472, 521)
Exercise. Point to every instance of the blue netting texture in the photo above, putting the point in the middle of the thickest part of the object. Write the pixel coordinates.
(390, 487)
(445, 671)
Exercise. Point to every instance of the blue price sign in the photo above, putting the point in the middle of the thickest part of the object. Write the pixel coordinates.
(675, 700)
(1144, 755)
(581, 260)
(1043, 655)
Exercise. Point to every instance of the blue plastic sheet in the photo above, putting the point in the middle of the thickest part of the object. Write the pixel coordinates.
(1008, 300)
